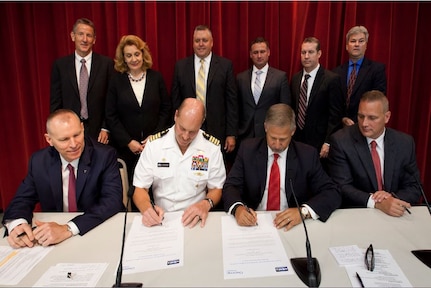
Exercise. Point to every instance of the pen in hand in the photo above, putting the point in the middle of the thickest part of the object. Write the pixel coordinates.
(395, 196)
(23, 233)
(154, 208)
(248, 210)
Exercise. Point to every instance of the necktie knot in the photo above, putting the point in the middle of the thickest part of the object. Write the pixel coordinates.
(306, 76)
(276, 156)
(373, 144)
(258, 72)
(83, 61)
(202, 61)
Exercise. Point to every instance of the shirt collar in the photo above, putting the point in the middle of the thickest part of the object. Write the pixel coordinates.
(264, 69)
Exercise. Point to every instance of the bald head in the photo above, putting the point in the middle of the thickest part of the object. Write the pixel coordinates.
(192, 108)
(188, 121)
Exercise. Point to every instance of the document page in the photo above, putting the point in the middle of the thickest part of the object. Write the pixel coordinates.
(72, 275)
(16, 263)
(256, 251)
(386, 271)
(154, 248)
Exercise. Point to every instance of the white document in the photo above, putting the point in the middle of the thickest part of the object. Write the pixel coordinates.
(154, 248)
(256, 251)
(16, 263)
(72, 275)
(347, 255)
(386, 272)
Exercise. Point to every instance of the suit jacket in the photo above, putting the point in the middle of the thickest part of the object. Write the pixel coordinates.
(221, 95)
(128, 121)
(351, 166)
(98, 186)
(65, 91)
(247, 179)
(371, 77)
(325, 107)
(252, 115)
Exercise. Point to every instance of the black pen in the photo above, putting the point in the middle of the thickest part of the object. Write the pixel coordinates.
(395, 196)
(154, 208)
(23, 233)
(248, 210)
(360, 280)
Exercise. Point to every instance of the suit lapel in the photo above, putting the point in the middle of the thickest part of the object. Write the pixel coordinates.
(363, 71)
(84, 169)
(190, 66)
(212, 69)
(71, 71)
(247, 82)
(390, 159)
(361, 146)
(316, 85)
(291, 168)
(95, 67)
(262, 160)
(55, 174)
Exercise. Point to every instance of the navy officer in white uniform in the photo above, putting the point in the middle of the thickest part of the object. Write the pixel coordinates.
(184, 165)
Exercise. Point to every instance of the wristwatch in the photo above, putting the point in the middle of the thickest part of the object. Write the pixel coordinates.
(305, 213)
(211, 202)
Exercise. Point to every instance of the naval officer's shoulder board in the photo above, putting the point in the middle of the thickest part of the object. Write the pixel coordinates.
(158, 135)
(211, 138)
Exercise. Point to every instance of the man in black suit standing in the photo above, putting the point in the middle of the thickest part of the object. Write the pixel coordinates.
(80, 81)
(210, 78)
(382, 180)
(362, 73)
(264, 170)
(319, 112)
(259, 88)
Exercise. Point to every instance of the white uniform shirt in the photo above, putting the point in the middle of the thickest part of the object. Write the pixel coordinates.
(179, 180)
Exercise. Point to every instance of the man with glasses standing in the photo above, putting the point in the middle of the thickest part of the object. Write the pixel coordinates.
(80, 81)
(359, 74)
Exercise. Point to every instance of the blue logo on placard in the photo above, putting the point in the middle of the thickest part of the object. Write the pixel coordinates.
(172, 262)
(281, 269)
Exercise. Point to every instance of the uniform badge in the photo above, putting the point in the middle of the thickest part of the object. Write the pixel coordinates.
(200, 163)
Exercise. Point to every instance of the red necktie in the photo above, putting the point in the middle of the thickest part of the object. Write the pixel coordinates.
(274, 186)
(72, 189)
(302, 107)
(352, 80)
(377, 166)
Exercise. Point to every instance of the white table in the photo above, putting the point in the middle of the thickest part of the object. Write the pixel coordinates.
(203, 260)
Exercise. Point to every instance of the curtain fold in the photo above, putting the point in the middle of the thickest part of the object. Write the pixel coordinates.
(34, 34)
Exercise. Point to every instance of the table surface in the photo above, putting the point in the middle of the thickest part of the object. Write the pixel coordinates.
(203, 259)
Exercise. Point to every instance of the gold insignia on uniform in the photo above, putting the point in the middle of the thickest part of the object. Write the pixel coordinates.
(158, 135)
(211, 138)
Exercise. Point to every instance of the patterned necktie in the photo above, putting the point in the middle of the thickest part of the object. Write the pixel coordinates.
(350, 84)
(83, 88)
(72, 190)
(200, 85)
(302, 108)
(274, 186)
(257, 86)
(377, 166)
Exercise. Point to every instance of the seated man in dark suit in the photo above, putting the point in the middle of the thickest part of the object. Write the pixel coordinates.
(93, 187)
(249, 185)
(351, 162)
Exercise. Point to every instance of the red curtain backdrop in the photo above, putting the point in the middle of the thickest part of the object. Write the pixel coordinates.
(35, 33)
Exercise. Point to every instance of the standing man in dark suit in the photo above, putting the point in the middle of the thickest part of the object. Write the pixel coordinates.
(320, 113)
(217, 91)
(249, 185)
(67, 89)
(256, 93)
(351, 162)
(367, 75)
(93, 175)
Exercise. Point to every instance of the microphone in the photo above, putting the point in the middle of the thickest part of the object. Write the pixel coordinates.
(307, 269)
(422, 255)
(411, 171)
(123, 240)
